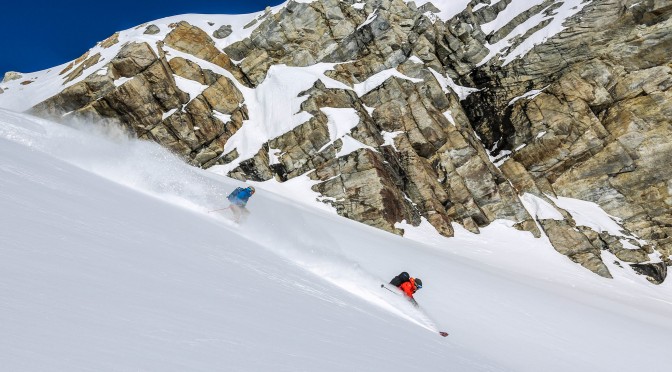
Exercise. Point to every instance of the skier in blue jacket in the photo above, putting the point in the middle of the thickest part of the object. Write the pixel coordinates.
(238, 199)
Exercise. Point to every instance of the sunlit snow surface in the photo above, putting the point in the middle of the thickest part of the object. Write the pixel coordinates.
(110, 261)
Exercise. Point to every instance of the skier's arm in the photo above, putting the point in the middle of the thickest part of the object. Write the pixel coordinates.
(407, 289)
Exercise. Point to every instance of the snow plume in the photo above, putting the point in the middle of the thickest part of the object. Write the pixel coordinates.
(108, 150)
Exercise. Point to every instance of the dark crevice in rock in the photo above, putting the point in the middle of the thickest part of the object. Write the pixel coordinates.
(655, 272)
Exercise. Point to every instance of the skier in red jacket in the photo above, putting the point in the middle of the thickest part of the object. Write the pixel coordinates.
(407, 284)
(411, 286)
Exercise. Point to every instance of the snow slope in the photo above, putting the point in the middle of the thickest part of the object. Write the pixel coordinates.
(35, 87)
(110, 265)
(110, 261)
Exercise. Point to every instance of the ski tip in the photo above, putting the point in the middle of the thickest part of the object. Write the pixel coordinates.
(444, 334)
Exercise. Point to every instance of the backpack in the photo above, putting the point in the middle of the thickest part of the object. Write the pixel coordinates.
(234, 194)
(400, 279)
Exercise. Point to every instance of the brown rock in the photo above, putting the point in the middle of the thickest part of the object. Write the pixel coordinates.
(110, 41)
(77, 72)
(223, 96)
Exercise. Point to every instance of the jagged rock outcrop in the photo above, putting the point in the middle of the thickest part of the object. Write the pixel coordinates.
(599, 127)
(152, 30)
(195, 42)
(11, 75)
(222, 32)
(584, 114)
(655, 272)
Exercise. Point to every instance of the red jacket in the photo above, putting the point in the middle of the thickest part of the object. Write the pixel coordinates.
(409, 287)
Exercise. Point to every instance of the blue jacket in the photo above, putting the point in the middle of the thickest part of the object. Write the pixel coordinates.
(240, 196)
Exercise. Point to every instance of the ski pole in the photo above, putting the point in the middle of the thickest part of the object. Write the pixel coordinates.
(412, 300)
(220, 209)
(383, 286)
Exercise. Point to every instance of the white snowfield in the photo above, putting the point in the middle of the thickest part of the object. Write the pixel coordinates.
(110, 261)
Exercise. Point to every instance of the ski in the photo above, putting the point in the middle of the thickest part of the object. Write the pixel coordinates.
(222, 209)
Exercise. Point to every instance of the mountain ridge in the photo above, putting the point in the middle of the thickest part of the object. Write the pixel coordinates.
(555, 121)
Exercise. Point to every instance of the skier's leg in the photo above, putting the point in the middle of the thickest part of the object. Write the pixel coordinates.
(236, 212)
(244, 213)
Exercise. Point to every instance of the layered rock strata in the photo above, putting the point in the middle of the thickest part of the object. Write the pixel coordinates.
(584, 115)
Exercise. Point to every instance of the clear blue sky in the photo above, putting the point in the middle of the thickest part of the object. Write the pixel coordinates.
(35, 35)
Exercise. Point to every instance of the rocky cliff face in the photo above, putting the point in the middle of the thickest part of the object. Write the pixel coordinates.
(576, 107)
(596, 128)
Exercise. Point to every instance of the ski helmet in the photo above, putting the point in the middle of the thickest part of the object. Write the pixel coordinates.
(251, 188)
(418, 283)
